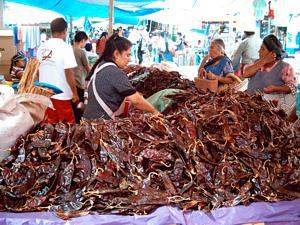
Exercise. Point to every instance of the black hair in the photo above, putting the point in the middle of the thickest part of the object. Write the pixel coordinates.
(104, 34)
(13, 61)
(88, 47)
(115, 42)
(80, 35)
(58, 25)
(274, 45)
(249, 33)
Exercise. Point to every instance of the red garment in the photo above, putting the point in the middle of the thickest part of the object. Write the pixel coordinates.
(100, 45)
(63, 112)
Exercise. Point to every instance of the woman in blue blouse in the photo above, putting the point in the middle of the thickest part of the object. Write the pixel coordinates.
(216, 65)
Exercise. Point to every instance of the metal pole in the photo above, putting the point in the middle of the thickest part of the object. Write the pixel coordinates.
(1, 13)
(111, 16)
(71, 30)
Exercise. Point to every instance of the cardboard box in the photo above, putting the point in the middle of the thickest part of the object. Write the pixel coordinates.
(4, 70)
(7, 47)
(206, 85)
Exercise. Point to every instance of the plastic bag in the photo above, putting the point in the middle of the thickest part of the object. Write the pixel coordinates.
(139, 77)
(159, 99)
(36, 105)
(18, 113)
(15, 120)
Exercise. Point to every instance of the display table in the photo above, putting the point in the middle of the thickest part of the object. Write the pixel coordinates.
(283, 213)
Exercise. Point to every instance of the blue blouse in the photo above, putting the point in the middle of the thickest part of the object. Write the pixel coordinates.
(221, 68)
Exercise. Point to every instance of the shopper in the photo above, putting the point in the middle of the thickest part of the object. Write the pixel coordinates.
(247, 51)
(56, 68)
(90, 54)
(120, 31)
(101, 43)
(216, 65)
(81, 71)
(109, 85)
(17, 67)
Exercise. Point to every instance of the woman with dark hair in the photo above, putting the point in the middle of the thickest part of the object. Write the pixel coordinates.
(271, 75)
(109, 85)
(100, 44)
(216, 65)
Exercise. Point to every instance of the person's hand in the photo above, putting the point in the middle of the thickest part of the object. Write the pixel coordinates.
(202, 73)
(268, 58)
(206, 58)
(269, 89)
(75, 98)
(157, 113)
(211, 76)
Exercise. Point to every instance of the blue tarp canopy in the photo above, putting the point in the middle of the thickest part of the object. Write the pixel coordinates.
(93, 8)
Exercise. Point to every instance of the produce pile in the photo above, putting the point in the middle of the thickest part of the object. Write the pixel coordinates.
(234, 149)
(153, 80)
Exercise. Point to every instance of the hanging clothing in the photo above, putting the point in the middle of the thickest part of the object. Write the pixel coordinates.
(30, 37)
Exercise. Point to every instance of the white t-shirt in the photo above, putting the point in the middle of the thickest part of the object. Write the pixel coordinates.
(55, 56)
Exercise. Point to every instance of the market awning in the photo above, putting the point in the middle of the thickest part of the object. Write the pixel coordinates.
(92, 8)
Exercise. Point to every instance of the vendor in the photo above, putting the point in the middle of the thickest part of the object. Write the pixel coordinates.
(269, 74)
(216, 65)
(17, 67)
(109, 85)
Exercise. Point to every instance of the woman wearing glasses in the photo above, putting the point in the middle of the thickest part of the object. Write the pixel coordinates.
(109, 85)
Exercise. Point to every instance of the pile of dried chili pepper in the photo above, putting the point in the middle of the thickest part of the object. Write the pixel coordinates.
(153, 80)
(205, 152)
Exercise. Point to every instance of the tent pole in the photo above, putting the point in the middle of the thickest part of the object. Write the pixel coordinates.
(71, 29)
(1, 13)
(111, 16)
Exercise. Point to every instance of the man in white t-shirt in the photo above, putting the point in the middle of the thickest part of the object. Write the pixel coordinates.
(56, 67)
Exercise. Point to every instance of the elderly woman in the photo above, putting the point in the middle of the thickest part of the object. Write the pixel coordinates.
(216, 65)
(270, 75)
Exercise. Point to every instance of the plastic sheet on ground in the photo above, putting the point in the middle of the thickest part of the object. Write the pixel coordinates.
(284, 213)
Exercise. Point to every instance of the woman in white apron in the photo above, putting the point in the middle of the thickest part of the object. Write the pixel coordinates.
(109, 85)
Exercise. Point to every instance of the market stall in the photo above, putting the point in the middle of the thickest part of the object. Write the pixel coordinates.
(221, 157)
(198, 166)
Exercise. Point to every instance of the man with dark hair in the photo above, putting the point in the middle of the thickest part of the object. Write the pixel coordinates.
(56, 68)
(82, 69)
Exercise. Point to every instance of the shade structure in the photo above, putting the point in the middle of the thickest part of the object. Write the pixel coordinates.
(91, 8)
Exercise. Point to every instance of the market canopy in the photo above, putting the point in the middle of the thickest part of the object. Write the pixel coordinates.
(93, 8)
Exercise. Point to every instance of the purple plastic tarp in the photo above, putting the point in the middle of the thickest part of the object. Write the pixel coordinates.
(284, 213)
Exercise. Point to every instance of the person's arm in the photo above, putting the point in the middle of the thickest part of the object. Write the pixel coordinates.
(289, 79)
(273, 88)
(19, 74)
(201, 67)
(251, 70)
(140, 103)
(71, 81)
(87, 68)
(223, 80)
(85, 62)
